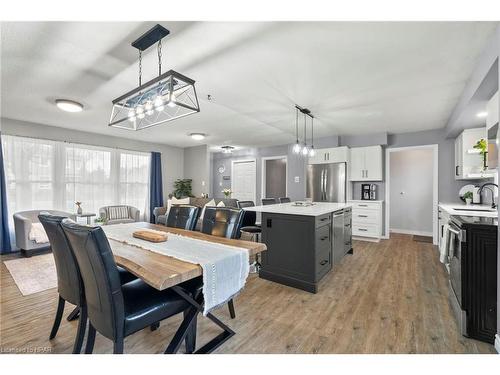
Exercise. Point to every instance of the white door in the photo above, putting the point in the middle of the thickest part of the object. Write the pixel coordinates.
(357, 164)
(244, 180)
(373, 163)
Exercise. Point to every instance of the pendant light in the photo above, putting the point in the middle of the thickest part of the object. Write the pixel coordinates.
(167, 97)
(296, 147)
(305, 150)
(312, 151)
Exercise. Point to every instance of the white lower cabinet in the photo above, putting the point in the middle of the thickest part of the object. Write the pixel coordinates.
(366, 218)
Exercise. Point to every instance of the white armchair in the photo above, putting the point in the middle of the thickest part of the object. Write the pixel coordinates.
(119, 214)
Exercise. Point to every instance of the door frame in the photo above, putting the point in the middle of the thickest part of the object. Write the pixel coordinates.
(245, 160)
(263, 173)
(435, 185)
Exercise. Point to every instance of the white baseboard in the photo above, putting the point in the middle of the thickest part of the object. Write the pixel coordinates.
(367, 239)
(413, 232)
(497, 343)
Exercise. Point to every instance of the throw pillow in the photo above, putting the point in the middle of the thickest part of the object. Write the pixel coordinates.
(221, 204)
(209, 204)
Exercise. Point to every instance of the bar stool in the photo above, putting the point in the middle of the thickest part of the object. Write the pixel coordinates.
(284, 200)
(267, 201)
(250, 227)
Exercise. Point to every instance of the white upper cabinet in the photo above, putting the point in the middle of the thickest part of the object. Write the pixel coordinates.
(366, 164)
(469, 163)
(330, 155)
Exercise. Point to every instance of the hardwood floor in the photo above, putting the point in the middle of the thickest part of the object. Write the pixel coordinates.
(389, 297)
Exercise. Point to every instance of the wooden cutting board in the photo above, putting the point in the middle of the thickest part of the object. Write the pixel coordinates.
(150, 236)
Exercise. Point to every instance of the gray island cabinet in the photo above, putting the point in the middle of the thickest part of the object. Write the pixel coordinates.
(303, 242)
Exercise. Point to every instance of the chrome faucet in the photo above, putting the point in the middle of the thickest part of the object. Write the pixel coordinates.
(493, 204)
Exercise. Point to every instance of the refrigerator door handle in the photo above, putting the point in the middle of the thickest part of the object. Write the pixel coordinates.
(326, 184)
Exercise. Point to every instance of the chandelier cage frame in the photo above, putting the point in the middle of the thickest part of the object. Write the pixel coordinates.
(165, 98)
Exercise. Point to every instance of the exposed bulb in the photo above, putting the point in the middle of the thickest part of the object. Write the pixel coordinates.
(149, 108)
(305, 151)
(140, 112)
(296, 148)
(312, 152)
(159, 104)
(172, 103)
(131, 115)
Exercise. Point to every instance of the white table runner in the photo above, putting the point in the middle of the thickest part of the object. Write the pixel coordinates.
(225, 268)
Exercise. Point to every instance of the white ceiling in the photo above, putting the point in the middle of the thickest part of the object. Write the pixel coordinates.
(356, 77)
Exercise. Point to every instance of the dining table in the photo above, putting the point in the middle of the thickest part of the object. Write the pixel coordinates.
(163, 272)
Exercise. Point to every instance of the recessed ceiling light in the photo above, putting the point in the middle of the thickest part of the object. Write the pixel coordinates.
(69, 105)
(197, 136)
(482, 114)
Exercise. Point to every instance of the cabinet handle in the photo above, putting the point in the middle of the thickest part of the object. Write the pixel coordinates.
(456, 170)
(347, 225)
(324, 238)
(323, 219)
(362, 205)
(362, 215)
(347, 243)
(323, 262)
(363, 230)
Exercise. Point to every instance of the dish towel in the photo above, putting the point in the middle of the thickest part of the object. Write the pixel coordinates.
(444, 245)
(37, 233)
(225, 268)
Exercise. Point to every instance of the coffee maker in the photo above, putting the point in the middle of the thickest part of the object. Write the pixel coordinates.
(368, 192)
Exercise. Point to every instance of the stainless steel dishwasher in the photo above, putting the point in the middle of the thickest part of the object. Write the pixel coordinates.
(338, 236)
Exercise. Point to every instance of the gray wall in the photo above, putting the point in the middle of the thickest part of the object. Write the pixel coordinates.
(197, 167)
(172, 157)
(411, 200)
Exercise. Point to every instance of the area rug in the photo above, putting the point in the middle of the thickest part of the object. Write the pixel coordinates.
(33, 275)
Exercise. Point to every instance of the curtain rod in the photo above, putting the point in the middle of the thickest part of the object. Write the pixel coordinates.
(76, 143)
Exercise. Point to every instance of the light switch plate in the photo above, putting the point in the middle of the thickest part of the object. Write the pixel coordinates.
(297, 179)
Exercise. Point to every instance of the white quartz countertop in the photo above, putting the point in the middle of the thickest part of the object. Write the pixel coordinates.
(317, 209)
(481, 210)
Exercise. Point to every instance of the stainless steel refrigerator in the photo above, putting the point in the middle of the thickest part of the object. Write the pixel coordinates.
(326, 182)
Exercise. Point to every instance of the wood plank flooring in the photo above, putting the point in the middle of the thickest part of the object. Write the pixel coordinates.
(389, 297)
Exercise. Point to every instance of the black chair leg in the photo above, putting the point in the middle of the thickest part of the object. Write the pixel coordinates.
(89, 347)
(230, 304)
(80, 334)
(191, 335)
(74, 314)
(154, 326)
(118, 346)
(57, 320)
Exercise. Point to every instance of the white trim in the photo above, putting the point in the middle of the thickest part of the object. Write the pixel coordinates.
(263, 174)
(366, 239)
(413, 232)
(247, 160)
(435, 181)
(497, 343)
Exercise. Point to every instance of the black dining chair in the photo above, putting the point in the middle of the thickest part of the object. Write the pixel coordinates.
(284, 200)
(115, 310)
(69, 283)
(183, 217)
(223, 222)
(248, 224)
(268, 201)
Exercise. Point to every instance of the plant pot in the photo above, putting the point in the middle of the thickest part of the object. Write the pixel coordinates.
(468, 201)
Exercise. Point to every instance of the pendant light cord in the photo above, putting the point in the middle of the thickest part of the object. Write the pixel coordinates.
(312, 131)
(140, 68)
(305, 127)
(159, 57)
(297, 124)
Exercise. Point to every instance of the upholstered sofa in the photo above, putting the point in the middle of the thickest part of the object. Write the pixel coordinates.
(22, 226)
(119, 214)
(160, 213)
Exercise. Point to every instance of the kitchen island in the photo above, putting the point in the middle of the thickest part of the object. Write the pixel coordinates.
(303, 242)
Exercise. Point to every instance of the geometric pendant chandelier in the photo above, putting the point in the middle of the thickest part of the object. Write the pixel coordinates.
(167, 97)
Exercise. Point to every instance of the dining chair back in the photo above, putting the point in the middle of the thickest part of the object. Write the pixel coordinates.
(222, 222)
(284, 200)
(268, 201)
(249, 217)
(69, 282)
(100, 277)
(183, 217)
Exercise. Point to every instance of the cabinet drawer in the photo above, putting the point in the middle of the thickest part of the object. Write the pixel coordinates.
(323, 238)
(323, 263)
(323, 220)
(364, 216)
(366, 230)
(365, 206)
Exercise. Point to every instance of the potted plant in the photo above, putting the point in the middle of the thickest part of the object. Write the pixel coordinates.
(183, 188)
(100, 221)
(482, 146)
(468, 197)
(227, 193)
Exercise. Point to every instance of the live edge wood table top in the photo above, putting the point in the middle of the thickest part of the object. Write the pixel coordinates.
(162, 271)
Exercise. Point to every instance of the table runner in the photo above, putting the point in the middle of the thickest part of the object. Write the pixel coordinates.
(225, 268)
